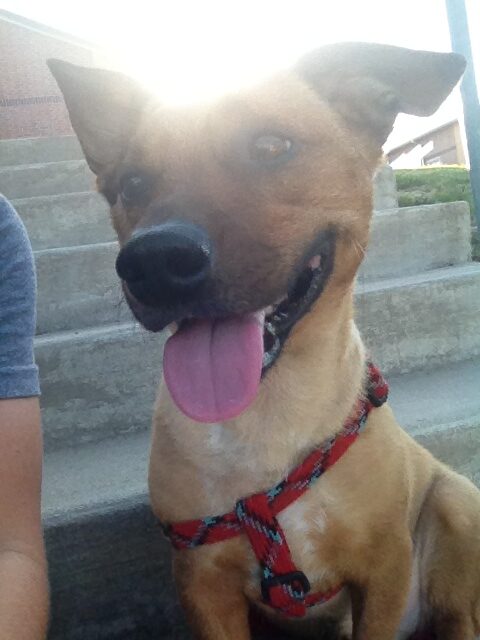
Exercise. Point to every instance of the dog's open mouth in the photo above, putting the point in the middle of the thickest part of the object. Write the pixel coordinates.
(281, 319)
(213, 367)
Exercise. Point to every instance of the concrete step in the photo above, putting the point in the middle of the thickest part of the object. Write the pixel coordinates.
(441, 409)
(109, 563)
(110, 569)
(31, 150)
(78, 286)
(422, 321)
(409, 323)
(65, 220)
(411, 240)
(97, 383)
(50, 178)
(72, 219)
(44, 153)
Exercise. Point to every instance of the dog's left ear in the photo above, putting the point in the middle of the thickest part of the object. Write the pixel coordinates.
(104, 108)
(370, 84)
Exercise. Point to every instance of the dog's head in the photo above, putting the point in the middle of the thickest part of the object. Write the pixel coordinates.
(232, 219)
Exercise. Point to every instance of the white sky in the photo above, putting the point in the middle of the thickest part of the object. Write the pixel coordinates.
(193, 49)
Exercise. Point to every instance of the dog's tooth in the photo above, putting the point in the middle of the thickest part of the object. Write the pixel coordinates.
(260, 316)
(315, 262)
(173, 327)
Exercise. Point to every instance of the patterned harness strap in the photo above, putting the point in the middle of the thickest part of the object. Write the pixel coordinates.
(283, 586)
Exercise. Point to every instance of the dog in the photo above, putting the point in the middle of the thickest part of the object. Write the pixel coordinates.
(242, 225)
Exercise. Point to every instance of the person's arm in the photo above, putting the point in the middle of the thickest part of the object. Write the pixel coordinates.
(23, 572)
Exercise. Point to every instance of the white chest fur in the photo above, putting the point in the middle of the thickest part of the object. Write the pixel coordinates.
(303, 521)
(303, 527)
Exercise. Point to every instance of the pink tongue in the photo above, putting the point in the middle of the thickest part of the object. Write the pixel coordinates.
(212, 368)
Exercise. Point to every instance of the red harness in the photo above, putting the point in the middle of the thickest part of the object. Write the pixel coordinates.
(283, 586)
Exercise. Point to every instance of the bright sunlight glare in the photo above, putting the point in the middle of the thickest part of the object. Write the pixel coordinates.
(193, 50)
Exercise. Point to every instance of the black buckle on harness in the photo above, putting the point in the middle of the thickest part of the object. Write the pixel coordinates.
(376, 400)
(297, 582)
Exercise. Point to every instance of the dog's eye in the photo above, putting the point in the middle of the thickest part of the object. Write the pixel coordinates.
(270, 148)
(135, 188)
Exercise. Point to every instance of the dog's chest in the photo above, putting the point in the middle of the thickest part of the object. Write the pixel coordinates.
(304, 522)
(304, 525)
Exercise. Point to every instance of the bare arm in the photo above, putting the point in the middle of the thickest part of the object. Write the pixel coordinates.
(23, 573)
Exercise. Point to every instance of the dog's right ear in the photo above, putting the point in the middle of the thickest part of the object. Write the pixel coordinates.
(104, 108)
(370, 84)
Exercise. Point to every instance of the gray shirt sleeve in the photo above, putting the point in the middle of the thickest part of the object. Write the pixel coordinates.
(18, 372)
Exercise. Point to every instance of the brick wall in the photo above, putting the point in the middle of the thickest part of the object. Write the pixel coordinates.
(30, 103)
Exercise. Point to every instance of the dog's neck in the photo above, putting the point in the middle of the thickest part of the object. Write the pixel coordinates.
(304, 399)
(310, 392)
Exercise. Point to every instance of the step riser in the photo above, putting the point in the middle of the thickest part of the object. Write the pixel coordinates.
(110, 575)
(417, 239)
(36, 168)
(395, 322)
(33, 150)
(95, 388)
(408, 327)
(422, 326)
(46, 180)
(96, 565)
(76, 219)
(78, 287)
(65, 221)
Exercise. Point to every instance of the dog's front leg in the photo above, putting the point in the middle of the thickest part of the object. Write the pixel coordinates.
(211, 595)
(381, 600)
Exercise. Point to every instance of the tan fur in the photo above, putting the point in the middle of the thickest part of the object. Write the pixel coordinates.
(387, 500)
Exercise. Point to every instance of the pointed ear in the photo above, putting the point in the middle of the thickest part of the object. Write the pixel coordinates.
(370, 84)
(104, 108)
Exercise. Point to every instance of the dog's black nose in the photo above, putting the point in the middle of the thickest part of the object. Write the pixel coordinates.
(166, 264)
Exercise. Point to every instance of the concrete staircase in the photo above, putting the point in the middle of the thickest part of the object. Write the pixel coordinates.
(418, 302)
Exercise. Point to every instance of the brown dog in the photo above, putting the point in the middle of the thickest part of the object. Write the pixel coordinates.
(243, 225)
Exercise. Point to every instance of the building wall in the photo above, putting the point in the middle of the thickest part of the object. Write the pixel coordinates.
(440, 147)
(30, 102)
(447, 146)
